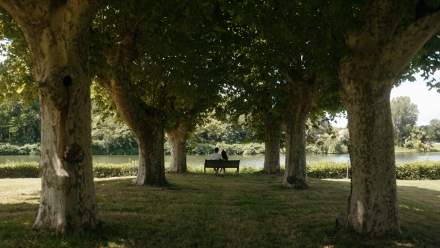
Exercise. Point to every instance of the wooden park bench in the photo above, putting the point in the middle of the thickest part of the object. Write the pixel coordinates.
(222, 164)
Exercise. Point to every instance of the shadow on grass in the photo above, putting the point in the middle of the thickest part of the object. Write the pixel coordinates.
(208, 211)
(16, 231)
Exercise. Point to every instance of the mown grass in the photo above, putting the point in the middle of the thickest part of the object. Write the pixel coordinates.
(231, 211)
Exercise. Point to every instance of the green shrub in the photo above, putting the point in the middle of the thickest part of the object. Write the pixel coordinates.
(31, 169)
(242, 149)
(409, 171)
(419, 170)
(114, 170)
(200, 149)
(328, 170)
(234, 149)
(231, 149)
(116, 147)
(28, 149)
(313, 148)
(19, 170)
(8, 149)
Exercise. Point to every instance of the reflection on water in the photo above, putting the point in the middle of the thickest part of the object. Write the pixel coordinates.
(196, 162)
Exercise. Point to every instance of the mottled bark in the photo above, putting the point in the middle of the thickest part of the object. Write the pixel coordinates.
(272, 137)
(57, 37)
(378, 52)
(372, 205)
(148, 126)
(151, 169)
(68, 195)
(300, 97)
(177, 138)
(295, 171)
(373, 201)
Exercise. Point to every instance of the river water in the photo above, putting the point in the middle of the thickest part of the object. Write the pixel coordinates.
(256, 161)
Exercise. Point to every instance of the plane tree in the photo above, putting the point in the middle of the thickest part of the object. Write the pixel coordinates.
(195, 82)
(254, 91)
(302, 61)
(160, 63)
(55, 33)
(191, 105)
(380, 39)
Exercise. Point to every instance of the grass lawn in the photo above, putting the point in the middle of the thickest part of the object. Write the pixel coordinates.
(208, 211)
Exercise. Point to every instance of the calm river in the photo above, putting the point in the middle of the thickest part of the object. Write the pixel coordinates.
(256, 161)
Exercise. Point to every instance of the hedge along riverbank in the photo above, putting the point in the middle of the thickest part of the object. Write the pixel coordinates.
(32, 170)
(28, 149)
(409, 171)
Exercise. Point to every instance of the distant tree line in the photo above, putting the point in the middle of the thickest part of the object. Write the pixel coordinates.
(407, 133)
(20, 125)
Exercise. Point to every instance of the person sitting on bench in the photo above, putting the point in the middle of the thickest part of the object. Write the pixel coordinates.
(215, 156)
(224, 155)
(225, 158)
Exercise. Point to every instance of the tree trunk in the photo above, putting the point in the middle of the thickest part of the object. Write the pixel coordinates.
(295, 171)
(377, 53)
(147, 125)
(151, 169)
(68, 194)
(272, 136)
(177, 138)
(57, 37)
(299, 105)
(373, 201)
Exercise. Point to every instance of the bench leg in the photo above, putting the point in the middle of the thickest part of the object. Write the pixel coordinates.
(204, 170)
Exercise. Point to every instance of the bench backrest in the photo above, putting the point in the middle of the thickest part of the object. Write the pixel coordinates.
(222, 163)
